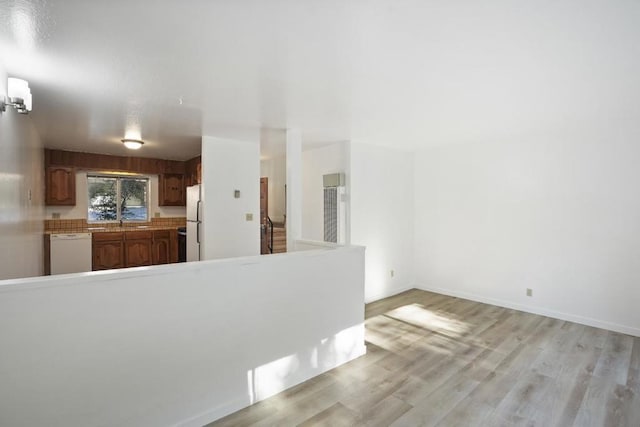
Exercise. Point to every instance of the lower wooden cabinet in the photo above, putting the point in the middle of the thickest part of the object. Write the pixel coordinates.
(137, 248)
(108, 251)
(133, 249)
(161, 247)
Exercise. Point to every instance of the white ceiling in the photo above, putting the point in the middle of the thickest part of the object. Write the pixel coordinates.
(406, 73)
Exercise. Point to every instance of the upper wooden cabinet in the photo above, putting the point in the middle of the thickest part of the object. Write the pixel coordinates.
(60, 186)
(171, 190)
(193, 171)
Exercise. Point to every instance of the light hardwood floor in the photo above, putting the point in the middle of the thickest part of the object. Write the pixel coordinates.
(434, 360)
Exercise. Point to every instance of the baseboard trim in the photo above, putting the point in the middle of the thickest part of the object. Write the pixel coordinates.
(588, 321)
(392, 292)
(215, 414)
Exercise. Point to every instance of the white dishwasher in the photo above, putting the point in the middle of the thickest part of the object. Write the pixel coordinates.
(70, 253)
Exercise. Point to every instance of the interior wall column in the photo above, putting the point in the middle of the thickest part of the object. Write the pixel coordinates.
(230, 195)
(294, 186)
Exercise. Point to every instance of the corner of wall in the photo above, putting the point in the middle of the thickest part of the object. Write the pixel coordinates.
(382, 216)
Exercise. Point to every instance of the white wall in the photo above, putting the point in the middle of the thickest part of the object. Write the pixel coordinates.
(79, 211)
(316, 163)
(229, 165)
(178, 344)
(560, 216)
(382, 216)
(21, 194)
(276, 170)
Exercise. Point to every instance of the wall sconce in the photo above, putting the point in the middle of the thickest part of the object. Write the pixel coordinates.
(132, 144)
(19, 96)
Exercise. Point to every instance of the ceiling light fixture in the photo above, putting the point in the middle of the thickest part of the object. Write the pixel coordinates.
(132, 144)
(19, 96)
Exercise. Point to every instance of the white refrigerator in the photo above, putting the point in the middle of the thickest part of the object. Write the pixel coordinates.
(194, 223)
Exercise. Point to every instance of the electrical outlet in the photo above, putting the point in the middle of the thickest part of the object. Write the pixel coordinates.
(55, 215)
(249, 217)
(529, 292)
(392, 273)
(156, 215)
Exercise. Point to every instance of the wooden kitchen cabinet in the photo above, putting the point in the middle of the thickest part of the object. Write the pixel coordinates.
(193, 170)
(161, 247)
(60, 186)
(171, 189)
(134, 248)
(137, 248)
(107, 251)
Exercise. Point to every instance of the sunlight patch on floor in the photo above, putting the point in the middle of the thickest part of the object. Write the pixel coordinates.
(421, 317)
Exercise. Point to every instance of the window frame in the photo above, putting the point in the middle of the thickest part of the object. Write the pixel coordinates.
(118, 178)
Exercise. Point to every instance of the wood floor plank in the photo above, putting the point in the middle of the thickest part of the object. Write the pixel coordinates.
(567, 399)
(336, 415)
(385, 412)
(528, 399)
(468, 412)
(431, 409)
(633, 375)
(593, 410)
(438, 360)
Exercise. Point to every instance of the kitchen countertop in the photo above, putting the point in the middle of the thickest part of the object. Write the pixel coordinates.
(99, 229)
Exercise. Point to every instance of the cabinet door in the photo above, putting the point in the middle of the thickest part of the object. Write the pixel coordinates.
(137, 252)
(171, 190)
(161, 251)
(60, 186)
(107, 251)
(107, 255)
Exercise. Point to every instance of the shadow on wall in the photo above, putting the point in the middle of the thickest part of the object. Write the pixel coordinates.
(273, 377)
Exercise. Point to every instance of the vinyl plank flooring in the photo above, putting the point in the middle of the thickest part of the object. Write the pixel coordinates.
(528, 399)
(616, 358)
(336, 415)
(434, 360)
(429, 410)
(385, 412)
(633, 375)
(469, 412)
(596, 403)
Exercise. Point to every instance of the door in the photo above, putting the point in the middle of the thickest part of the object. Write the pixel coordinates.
(264, 212)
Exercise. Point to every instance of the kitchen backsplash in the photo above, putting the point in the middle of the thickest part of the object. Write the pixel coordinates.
(79, 225)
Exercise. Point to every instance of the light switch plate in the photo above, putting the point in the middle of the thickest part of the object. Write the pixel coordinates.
(249, 217)
(236, 194)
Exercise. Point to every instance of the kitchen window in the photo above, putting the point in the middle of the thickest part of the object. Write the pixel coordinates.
(117, 198)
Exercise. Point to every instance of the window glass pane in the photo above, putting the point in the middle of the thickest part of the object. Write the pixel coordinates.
(102, 199)
(133, 199)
